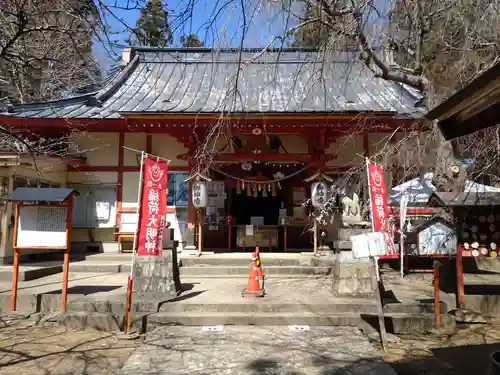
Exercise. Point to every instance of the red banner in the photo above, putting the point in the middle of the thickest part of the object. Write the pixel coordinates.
(153, 207)
(379, 209)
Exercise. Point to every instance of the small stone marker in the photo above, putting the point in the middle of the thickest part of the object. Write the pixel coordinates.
(468, 316)
(218, 328)
(298, 328)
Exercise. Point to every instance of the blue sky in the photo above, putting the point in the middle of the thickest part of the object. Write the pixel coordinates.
(217, 22)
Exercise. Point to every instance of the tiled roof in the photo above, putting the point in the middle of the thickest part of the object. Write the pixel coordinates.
(210, 81)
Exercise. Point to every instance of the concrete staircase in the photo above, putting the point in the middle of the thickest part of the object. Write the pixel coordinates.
(206, 266)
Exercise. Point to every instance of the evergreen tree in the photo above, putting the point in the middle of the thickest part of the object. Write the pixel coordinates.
(152, 28)
(191, 40)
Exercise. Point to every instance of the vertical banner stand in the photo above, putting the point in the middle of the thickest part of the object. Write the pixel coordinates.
(403, 206)
(378, 294)
(130, 280)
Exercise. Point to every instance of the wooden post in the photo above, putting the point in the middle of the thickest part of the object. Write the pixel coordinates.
(64, 296)
(284, 237)
(380, 307)
(437, 306)
(15, 277)
(128, 305)
(69, 214)
(200, 232)
(229, 232)
(15, 271)
(460, 279)
(315, 233)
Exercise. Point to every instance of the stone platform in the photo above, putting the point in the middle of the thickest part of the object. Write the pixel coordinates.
(97, 300)
(256, 350)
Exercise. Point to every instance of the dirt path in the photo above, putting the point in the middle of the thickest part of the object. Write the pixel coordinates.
(26, 348)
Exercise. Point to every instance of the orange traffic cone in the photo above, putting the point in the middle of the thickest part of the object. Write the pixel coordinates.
(260, 271)
(253, 289)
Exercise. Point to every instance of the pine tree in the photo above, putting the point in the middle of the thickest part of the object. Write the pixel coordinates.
(152, 28)
(191, 40)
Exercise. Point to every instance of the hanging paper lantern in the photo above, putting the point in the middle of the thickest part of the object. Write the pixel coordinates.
(264, 193)
(249, 191)
(238, 188)
(319, 194)
(199, 194)
(273, 190)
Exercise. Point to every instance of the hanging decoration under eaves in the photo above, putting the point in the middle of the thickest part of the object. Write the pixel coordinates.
(265, 187)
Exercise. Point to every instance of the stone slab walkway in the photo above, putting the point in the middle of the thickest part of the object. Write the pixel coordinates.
(256, 351)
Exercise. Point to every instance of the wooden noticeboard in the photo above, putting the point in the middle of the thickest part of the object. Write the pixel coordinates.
(42, 226)
(38, 226)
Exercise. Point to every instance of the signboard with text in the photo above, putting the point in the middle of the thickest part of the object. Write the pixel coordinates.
(379, 209)
(42, 226)
(153, 207)
(368, 245)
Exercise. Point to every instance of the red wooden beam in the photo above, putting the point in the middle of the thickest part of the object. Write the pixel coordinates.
(297, 158)
(119, 187)
(115, 168)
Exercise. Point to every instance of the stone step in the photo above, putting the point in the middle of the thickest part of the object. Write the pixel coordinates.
(102, 267)
(207, 271)
(81, 303)
(364, 306)
(395, 322)
(31, 272)
(203, 271)
(244, 261)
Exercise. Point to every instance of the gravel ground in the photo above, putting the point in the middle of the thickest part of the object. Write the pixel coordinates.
(30, 347)
(464, 352)
(27, 348)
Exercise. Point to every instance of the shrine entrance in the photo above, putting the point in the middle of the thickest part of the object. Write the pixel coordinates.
(258, 195)
(261, 210)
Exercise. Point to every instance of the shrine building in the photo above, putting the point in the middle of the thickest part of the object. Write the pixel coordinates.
(283, 116)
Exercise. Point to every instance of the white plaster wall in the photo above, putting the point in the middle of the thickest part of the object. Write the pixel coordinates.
(48, 170)
(136, 141)
(99, 148)
(348, 150)
(92, 177)
(168, 147)
(99, 235)
(130, 186)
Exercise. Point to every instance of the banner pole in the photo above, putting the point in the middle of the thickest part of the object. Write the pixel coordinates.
(378, 294)
(367, 161)
(134, 250)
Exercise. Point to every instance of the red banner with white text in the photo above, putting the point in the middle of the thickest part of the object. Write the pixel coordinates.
(379, 209)
(153, 207)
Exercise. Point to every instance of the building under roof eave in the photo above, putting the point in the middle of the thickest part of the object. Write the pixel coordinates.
(475, 107)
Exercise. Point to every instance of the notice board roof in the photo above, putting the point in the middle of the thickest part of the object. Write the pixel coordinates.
(40, 194)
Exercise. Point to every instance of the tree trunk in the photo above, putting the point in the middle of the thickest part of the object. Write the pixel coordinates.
(449, 172)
